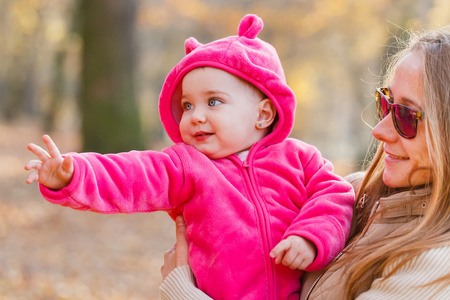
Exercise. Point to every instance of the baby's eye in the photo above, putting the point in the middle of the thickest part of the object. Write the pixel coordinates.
(214, 102)
(187, 106)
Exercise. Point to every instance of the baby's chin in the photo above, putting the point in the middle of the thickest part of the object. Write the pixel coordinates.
(215, 155)
(218, 154)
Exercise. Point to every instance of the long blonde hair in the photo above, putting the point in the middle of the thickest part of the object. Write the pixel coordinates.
(433, 229)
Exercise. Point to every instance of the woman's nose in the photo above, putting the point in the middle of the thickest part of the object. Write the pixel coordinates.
(385, 131)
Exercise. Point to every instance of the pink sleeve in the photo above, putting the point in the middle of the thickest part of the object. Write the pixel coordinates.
(121, 183)
(325, 217)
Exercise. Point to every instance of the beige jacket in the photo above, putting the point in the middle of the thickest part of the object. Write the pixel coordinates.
(407, 282)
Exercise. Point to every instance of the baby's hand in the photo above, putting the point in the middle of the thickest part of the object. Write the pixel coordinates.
(53, 171)
(294, 252)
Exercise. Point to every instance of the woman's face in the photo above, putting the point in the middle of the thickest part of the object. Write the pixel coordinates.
(407, 162)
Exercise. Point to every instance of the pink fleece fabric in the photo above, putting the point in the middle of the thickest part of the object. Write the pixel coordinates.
(235, 211)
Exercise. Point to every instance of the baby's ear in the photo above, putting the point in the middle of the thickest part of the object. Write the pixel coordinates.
(190, 44)
(267, 113)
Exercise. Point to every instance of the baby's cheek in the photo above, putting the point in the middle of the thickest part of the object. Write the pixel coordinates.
(184, 133)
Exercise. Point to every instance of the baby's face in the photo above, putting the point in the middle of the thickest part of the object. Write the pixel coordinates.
(220, 112)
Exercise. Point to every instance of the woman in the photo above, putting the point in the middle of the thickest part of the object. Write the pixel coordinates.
(400, 243)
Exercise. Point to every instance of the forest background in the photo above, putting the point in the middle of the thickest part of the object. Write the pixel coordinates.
(89, 73)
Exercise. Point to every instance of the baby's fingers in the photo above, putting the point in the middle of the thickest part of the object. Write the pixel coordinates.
(295, 261)
(38, 151)
(68, 164)
(33, 177)
(280, 249)
(67, 167)
(33, 164)
(51, 146)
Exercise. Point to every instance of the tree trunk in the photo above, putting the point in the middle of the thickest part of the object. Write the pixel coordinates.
(108, 102)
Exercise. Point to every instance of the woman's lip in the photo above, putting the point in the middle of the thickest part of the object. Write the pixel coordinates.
(392, 156)
(397, 157)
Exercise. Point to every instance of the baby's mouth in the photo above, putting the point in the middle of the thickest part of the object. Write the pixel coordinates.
(198, 134)
(202, 136)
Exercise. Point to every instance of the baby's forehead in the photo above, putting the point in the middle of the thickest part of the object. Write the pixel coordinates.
(212, 72)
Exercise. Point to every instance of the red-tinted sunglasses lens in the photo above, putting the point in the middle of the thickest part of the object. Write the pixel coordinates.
(383, 106)
(405, 121)
(404, 118)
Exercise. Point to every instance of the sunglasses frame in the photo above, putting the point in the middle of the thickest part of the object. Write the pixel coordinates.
(392, 107)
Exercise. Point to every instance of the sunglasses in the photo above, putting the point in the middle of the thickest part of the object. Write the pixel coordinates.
(405, 118)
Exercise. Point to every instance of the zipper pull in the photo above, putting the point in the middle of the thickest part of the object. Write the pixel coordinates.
(245, 164)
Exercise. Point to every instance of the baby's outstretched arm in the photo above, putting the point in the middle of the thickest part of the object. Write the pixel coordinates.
(53, 171)
(294, 252)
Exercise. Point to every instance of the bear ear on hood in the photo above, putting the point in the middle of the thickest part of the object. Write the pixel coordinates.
(190, 44)
(250, 26)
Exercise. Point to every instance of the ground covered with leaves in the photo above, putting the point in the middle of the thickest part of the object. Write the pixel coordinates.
(52, 252)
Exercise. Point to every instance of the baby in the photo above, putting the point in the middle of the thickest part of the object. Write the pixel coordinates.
(259, 207)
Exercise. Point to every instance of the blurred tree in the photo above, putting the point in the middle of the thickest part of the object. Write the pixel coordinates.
(110, 117)
(58, 92)
(20, 32)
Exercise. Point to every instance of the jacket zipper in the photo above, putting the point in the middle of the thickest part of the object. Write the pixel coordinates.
(264, 228)
(374, 208)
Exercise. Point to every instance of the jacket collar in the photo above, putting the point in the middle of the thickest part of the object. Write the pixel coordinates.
(404, 206)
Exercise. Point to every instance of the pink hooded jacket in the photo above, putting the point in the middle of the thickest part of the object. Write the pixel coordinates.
(235, 211)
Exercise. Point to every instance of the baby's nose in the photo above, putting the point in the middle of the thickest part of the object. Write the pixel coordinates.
(198, 116)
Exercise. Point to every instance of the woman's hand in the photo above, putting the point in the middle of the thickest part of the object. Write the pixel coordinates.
(178, 255)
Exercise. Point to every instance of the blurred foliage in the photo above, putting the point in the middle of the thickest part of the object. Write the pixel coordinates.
(332, 51)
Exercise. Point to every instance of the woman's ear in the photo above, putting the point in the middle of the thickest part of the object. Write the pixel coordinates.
(267, 113)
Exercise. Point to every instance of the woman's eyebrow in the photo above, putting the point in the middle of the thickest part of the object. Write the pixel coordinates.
(406, 101)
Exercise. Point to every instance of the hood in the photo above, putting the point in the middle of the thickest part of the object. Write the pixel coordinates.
(243, 55)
